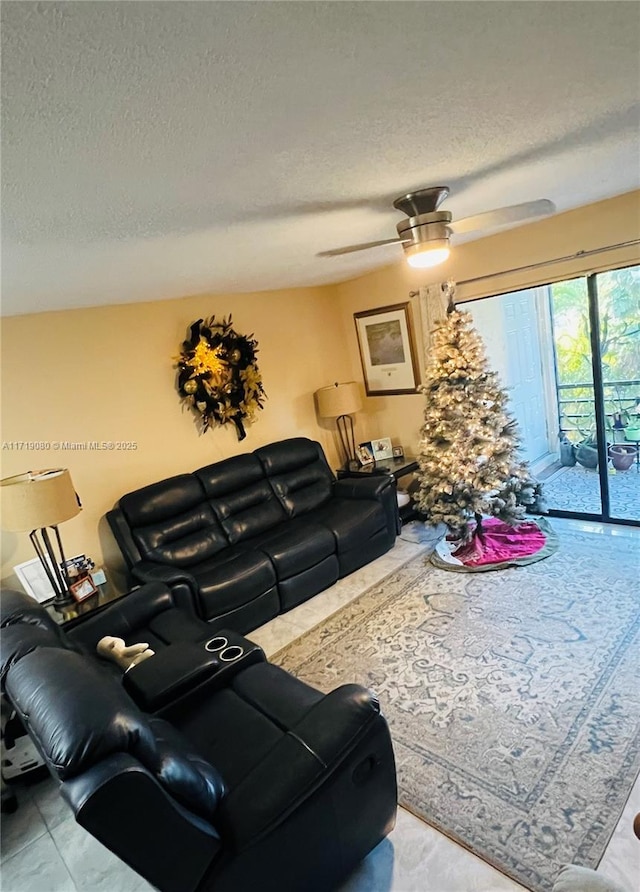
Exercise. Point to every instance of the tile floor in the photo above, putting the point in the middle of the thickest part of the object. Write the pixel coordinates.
(44, 850)
(578, 489)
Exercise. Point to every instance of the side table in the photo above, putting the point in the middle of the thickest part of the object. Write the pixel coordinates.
(105, 594)
(394, 467)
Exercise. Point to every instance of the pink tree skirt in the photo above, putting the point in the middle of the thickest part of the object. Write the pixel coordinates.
(501, 543)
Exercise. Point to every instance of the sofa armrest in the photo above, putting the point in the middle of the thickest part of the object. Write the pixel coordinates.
(122, 616)
(333, 726)
(298, 764)
(364, 487)
(188, 670)
(183, 585)
(120, 803)
(381, 487)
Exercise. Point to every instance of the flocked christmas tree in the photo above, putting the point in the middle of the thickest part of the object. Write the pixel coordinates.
(469, 466)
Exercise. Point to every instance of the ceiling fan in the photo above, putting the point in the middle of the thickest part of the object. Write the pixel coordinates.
(424, 236)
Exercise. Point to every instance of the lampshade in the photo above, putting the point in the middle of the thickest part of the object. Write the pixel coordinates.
(339, 399)
(38, 499)
(431, 253)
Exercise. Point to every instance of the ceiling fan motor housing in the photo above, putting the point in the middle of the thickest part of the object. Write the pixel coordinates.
(425, 228)
(423, 201)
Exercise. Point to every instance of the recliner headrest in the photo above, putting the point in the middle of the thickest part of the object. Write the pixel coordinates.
(290, 455)
(159, 501)
(25, 626)
(17, 606)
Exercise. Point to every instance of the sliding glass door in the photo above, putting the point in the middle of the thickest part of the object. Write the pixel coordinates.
(569, 354)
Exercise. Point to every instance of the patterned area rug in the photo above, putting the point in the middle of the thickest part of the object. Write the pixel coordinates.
(512, 697)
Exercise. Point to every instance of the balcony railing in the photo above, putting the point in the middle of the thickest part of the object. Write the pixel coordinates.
(577, 412)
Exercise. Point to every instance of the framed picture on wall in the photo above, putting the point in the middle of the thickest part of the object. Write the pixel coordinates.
(387, 352)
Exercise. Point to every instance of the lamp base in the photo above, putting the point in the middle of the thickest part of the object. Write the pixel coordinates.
(62, 601)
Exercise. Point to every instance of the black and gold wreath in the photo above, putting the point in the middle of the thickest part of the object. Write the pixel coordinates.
(218, 374)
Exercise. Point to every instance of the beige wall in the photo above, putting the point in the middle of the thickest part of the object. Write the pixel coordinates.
(106, 374)
(585, 229)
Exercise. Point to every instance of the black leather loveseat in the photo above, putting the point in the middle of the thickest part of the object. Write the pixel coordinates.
(236, 776)
(249, 537)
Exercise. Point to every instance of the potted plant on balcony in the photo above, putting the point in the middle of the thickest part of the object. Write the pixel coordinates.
(632, 429)
(587, 451)
(622, 456)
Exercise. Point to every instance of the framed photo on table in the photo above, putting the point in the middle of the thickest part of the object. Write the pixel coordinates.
(34, 580)
(83, 588)
(364, 454)
(387, 351)
(382, 449)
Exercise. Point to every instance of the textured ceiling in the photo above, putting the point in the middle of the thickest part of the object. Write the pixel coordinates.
(153, 150)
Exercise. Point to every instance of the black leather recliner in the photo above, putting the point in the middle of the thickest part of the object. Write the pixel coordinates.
(252, 536)
(238, 776)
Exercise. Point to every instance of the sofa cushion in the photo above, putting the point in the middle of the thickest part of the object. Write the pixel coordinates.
(295, 546)
(299, 474)
(233, 578)
(241, 497)
(304, 585)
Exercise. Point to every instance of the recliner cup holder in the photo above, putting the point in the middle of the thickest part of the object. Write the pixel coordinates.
(227, 653)
(231, 653)
(215, 644)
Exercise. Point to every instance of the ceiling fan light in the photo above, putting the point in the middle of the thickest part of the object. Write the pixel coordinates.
(427, 255)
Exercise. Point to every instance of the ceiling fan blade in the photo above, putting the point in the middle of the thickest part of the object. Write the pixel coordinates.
(514, 213)
(335, 252)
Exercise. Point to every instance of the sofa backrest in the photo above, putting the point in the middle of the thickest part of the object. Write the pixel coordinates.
(78, 717)
(187, 519)
(171, 522)
(241, 497)
(298, 473)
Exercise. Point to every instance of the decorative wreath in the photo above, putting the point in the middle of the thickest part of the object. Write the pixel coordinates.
(218, 374)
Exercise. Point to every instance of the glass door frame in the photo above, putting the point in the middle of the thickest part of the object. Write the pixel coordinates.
(600, 415)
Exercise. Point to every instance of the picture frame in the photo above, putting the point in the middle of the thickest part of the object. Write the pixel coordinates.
(34, 580)
(387, 351)
(364, 454)
(382, 449)
(398, 452)
(83, 588)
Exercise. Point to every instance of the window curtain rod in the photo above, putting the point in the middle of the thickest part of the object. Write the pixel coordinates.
(521, 269)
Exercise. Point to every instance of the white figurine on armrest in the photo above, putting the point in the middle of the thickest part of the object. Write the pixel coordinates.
(115, 649)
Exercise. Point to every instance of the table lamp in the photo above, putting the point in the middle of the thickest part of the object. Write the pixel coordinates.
(340, 401)
(35, 501)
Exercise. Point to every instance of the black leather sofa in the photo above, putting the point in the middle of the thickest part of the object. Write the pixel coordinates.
(235, 775)
(252, 536)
